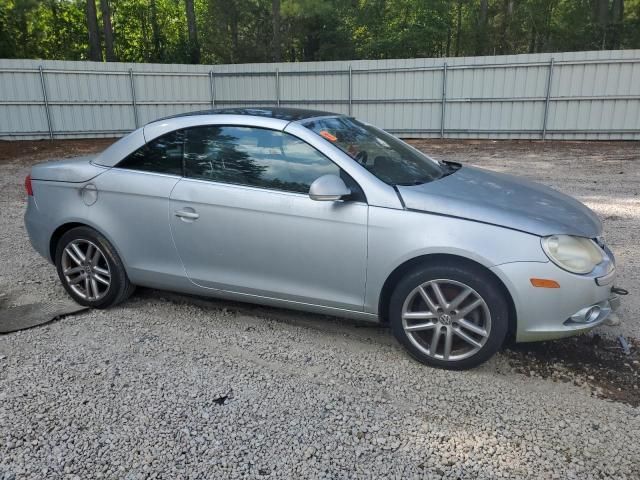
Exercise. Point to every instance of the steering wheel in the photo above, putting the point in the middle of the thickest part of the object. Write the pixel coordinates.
(361, 157)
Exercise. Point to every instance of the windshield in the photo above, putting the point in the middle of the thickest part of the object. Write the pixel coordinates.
(388, 158)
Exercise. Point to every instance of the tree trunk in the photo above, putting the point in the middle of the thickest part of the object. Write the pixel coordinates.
(55, 18)
(107, 30)
(95, 52)
(458, 28)
(481, 29)
(533, 39)
(235, 37)
(603, 21)
(194, 46)
(155, 33)
(547, 25)
(618, 11)
(275, 10)
(603, 12)
(23, 43)
(507, 11)
(617, 15)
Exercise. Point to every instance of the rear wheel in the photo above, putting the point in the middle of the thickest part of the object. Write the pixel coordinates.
(450, 316)
(90, 269)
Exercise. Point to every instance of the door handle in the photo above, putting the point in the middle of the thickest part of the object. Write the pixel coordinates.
(185, 214)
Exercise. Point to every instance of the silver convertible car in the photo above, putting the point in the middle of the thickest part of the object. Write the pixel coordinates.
(324, 213)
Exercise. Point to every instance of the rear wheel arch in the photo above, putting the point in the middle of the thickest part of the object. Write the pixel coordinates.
(57, 235)
(101, 264)
(441, 259)
(65, 227)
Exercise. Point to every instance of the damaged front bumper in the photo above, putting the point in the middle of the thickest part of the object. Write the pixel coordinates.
(581, 302)
(594, 315)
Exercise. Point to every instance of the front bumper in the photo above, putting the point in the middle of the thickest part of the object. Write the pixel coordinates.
(581, 303)
(593, 315)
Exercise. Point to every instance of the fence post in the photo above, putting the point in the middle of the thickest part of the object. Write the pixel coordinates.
(133, 98)
(278, 87)
(212, 87)
(350, 90)
(46, 102)
(546, 100)
(444, 99)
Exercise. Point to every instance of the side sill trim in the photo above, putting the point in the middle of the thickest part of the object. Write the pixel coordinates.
(284, 303)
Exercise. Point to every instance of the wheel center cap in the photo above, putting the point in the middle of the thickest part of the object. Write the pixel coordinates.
(445, 319)
(87, 269)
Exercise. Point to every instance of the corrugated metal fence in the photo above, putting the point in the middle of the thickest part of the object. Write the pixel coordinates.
(571, 95)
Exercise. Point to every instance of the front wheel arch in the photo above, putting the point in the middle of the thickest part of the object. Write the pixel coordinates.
(441, 259)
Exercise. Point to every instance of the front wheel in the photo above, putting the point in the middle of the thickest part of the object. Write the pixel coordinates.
(90, 269)
(453, 317)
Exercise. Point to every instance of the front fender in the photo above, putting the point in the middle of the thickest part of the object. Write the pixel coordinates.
(398, 236)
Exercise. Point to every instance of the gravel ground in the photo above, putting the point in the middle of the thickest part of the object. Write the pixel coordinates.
(167, 386)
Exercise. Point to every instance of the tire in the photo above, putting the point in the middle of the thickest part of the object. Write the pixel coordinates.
(473, 336)
(83, 276)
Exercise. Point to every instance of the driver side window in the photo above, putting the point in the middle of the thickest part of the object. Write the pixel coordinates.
(255, 157)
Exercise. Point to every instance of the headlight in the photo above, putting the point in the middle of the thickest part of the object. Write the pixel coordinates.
(575, 254)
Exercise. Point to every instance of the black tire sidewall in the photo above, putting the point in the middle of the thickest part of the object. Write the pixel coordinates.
(119, 281)
(482, 282)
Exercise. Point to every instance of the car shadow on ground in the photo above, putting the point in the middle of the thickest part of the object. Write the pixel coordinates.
(591, 361)
(323, 323)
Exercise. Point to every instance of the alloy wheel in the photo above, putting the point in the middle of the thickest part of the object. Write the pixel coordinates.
(86, 270)
(446, 319)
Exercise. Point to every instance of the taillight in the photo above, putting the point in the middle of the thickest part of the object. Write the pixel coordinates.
(27, 186)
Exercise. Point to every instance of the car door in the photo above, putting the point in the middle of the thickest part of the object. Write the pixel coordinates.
(132, 206)
(242, 219)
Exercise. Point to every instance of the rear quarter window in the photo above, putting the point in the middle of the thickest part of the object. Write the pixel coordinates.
(162, 155)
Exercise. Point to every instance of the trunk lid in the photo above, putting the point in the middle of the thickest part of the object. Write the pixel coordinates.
(74, 170)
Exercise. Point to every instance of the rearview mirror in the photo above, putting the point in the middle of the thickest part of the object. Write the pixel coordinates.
(328, 188)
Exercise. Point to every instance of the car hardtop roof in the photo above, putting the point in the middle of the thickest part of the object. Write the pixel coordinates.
(281, 113)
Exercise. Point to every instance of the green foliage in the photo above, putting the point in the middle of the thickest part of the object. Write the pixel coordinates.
(42, 29)
(238, 31)
(402, 28)
(142, 35)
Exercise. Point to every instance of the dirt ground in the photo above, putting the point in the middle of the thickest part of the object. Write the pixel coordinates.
(41, 150)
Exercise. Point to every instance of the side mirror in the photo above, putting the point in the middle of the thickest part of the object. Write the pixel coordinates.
(328, 188)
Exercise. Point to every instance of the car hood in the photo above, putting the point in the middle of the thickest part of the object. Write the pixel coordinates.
(505, 200)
